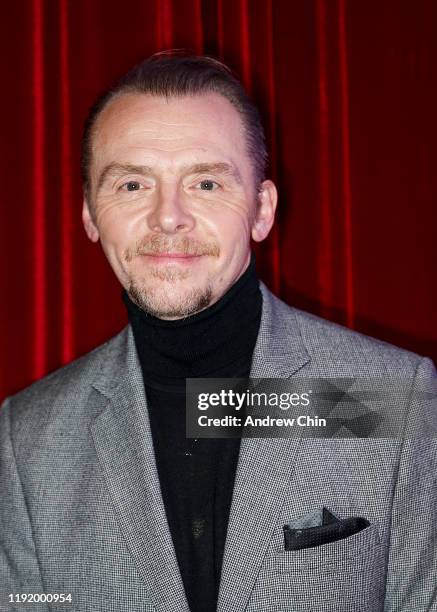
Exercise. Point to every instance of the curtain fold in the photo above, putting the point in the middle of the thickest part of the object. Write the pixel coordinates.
(348, 95)
(39, 220)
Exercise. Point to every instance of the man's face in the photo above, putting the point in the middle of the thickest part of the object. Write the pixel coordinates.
(173, 199)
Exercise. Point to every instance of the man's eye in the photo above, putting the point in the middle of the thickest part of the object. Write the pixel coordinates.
(208, 185)
(131, 186)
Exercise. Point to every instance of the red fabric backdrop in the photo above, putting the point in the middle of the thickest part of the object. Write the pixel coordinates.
(348, 95)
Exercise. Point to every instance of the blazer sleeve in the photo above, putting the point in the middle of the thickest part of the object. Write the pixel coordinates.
(411, 583)
(19, 571)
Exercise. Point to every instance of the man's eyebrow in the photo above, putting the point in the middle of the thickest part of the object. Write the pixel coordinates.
(117, 169)
(215, 168)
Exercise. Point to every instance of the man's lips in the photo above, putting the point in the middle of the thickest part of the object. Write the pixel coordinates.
(171, 257)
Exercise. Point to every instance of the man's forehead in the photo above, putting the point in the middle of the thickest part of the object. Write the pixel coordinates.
(173, 112)
(145, 129)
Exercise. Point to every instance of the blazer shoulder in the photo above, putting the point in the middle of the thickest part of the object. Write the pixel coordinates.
(341, 351)
(69, 385)
(337, 343)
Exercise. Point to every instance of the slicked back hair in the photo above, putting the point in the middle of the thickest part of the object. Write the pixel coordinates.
(170, 74)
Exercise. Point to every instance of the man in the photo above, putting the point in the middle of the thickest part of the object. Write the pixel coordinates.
(106, 505)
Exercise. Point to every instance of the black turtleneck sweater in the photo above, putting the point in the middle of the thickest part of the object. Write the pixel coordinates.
(196, 476)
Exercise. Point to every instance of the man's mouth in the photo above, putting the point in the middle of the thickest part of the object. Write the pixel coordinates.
(171, 257)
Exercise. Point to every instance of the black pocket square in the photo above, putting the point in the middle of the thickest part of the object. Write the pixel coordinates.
(320, 528)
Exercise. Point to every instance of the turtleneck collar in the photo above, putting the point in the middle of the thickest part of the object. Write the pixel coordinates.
(216, 342)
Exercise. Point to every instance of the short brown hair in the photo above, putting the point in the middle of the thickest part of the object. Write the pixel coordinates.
(171, 74)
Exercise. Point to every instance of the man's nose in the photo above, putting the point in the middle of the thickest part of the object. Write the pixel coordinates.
(170, 213)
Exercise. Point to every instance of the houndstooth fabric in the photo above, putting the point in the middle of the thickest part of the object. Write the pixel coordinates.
(81, 510)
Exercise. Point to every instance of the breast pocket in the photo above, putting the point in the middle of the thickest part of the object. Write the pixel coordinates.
(347, 575)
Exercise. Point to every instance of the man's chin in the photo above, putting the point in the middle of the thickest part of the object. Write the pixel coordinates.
(170, 303)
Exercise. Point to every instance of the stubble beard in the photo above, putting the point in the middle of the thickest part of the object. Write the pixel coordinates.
(167, 292)
(165, 297)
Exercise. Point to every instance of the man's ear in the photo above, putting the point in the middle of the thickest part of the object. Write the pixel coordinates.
(265, 212)
(88, 222)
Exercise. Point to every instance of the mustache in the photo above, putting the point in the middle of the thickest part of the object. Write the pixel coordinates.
(157, 245)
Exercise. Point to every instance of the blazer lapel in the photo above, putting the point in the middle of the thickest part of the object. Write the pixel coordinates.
(124, 446)
(265, 466)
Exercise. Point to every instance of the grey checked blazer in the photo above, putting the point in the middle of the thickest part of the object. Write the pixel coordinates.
(81, 510)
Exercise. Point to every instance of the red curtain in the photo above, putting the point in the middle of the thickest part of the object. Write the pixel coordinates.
(348, 95)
